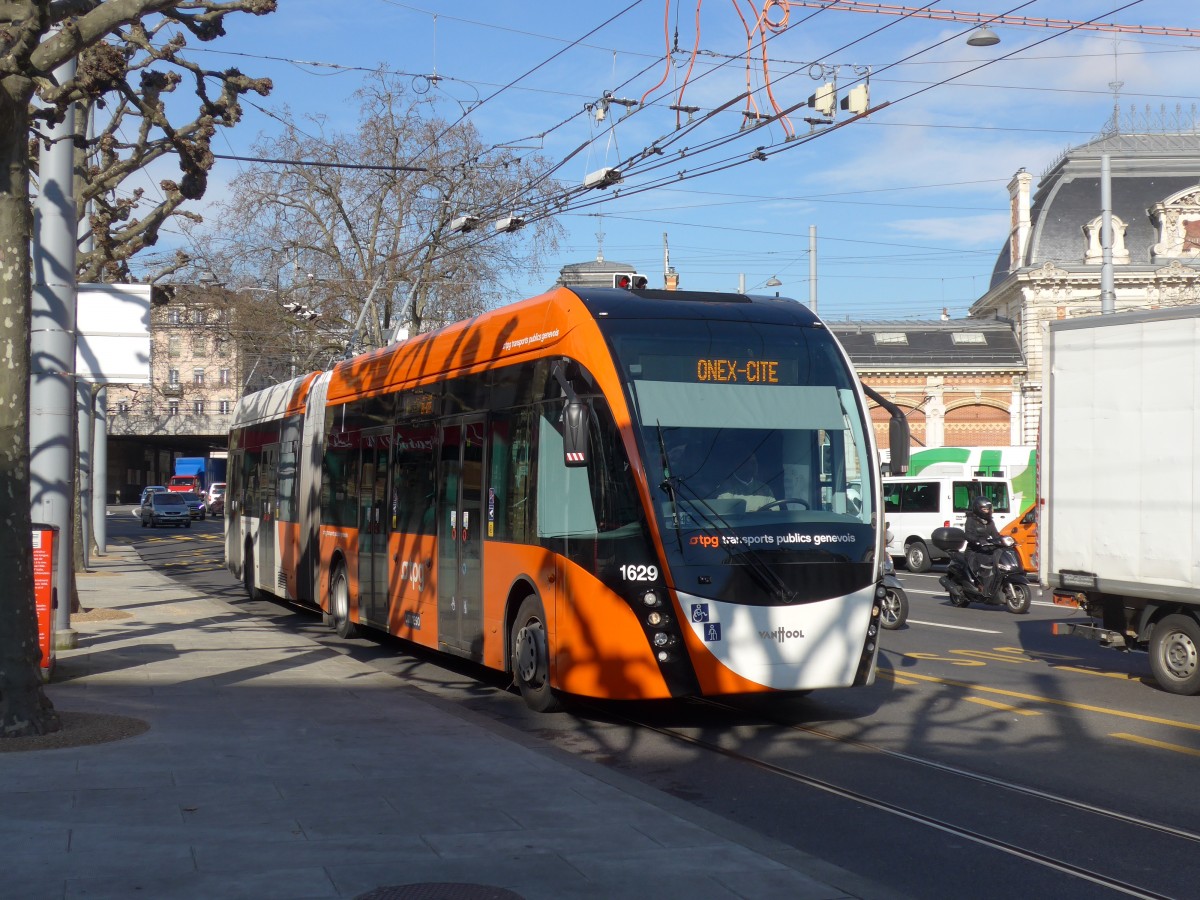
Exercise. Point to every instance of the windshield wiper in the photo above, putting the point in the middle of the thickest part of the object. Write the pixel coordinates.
(766, 576)
(668, 484)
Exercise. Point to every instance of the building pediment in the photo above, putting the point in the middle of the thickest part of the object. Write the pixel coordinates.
(1178, 222)
(1048, 276)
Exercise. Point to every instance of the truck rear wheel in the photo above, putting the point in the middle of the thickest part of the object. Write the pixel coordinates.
(1175, 654)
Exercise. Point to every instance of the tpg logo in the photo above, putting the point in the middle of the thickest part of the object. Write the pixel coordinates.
(706, 540)
(414, 574)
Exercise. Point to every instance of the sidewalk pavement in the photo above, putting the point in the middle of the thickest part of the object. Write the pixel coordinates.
(274, 767)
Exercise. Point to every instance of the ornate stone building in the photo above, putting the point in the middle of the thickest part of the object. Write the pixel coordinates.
(196, 378)
(959, 380)
(1050, 267)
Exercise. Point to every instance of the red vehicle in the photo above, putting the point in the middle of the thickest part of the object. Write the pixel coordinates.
(184, 483)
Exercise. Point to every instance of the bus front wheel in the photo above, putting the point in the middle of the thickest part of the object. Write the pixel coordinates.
(339, 604)
(531, 657)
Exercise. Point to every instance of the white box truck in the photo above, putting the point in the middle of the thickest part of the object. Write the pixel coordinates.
(1120, 483)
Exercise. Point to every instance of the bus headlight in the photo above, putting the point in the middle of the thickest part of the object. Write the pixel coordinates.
(657, 619)
(661, 639)
(650, 598)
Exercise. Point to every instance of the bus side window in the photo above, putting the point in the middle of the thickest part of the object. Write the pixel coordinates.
(614, 494)
(508, 519)
(413, 468)
(564, 499)
(337, 503)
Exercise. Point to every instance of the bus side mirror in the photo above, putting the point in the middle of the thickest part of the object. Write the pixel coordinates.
(898, 442)
(575, 434)
(898, 435)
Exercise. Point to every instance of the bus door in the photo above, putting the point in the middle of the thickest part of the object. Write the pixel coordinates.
(374, 525)
(267, 510)
(460, 535)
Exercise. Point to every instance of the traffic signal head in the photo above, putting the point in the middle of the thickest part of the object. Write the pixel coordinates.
(858, 100)
(825, 99)
(629, 281)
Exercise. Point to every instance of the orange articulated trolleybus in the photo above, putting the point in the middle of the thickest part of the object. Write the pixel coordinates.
(608, 493)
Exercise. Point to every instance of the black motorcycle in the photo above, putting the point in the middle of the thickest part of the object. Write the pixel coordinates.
(995, 577)
(893, 611)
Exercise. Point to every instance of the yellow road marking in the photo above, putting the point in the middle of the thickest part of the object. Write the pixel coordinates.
(1161, 745)
(1123, 676)
(1085, 707)
(1038, 655)
(995, 704)
(898, 679)
(936, 658)
(996, 657)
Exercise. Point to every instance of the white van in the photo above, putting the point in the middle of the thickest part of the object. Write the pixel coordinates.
(914, 506)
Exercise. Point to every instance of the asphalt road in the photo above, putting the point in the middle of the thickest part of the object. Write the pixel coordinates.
(989, 759)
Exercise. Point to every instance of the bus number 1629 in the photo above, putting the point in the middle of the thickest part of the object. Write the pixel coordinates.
(639, 573)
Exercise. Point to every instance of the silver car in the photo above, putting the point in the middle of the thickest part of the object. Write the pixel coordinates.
(166, 508)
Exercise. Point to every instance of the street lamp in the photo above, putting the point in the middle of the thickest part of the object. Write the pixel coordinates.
(774, 282)
(983, 37)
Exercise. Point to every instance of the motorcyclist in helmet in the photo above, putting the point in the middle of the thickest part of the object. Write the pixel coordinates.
(982, 535)
(981, 529)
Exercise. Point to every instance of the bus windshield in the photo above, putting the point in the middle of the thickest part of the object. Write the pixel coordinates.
(753, 439)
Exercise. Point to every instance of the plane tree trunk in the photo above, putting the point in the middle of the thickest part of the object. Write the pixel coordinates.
(24, 707)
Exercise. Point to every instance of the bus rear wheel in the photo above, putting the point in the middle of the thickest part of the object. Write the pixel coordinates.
(339, 604)
(248, 572)
(531, 657)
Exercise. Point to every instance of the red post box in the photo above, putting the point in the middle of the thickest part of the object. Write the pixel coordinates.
(45, 591)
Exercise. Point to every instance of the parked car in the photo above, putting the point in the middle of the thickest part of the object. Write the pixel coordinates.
(195, 504)
(151, 489)
(165, 508)
(215, 498)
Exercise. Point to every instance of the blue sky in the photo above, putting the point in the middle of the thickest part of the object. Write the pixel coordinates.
(910, 205)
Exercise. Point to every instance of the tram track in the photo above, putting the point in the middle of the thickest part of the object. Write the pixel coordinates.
(977, 777)
(1049, 861)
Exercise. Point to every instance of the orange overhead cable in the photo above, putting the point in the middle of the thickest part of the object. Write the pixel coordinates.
(981, 18)
(667, 41)
(763, 24)
(750, 104)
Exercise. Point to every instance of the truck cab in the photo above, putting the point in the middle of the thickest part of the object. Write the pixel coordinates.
(183, 483)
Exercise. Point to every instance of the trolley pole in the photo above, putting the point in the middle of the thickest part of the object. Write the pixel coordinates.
(1108, 297)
